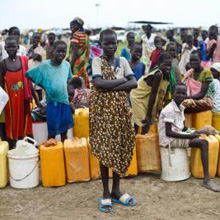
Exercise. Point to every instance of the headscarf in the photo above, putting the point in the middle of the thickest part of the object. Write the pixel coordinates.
(78, 21)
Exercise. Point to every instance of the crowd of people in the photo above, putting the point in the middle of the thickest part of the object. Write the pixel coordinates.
(153, 82)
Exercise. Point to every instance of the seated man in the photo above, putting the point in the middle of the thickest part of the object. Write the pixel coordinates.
(173, 132)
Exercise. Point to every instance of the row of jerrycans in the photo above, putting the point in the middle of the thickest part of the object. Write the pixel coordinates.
(69, 162)
(73, 162)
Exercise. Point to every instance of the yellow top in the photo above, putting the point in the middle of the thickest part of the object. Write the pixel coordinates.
(140, 98)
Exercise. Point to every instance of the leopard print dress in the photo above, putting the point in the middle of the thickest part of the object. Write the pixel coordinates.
(112, 135)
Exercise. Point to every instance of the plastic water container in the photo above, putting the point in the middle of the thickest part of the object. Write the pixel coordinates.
(52, 165)
(218, 167)
(24, 164)
(81, 120)
(94, 164)
(148, 152)
(40, 132)
(153, 129)
(133, 170)
(201, 119)
(189, 120)
(77, 160)
(196, 162)
(216, 120)
(3, 163)
(175, 164)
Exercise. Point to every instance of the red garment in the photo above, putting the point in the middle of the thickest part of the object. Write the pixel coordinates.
(155, 58)
(80, 99)
(27, 84)
(18, 120)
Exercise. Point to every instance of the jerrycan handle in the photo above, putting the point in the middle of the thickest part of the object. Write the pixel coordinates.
(30, 140)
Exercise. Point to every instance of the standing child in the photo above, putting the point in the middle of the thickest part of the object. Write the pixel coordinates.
(17, 116)
(53, 75)
(173, 132)
(36, 54)
(126, 51)
(111, 132)
(49, 47)
(186, 51)
(14, 31)
(175, 75)
(158, 42)
(136, 65)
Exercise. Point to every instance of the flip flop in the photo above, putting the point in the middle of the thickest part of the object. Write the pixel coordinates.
(125, 200)
(104, 203)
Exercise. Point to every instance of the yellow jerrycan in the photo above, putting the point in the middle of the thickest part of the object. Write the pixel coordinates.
(133, 169)
(148, 153)
(52, 165)
(3, 163)
(81, 120)
(77, 160)
(196, 162)
(218, 167)
(94, 164)
(216, 121)
(189, 120)
(201, 119)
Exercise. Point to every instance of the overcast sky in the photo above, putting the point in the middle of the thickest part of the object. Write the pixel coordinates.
(58, 13)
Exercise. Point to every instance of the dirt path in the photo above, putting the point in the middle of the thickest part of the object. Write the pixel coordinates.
(156, 199)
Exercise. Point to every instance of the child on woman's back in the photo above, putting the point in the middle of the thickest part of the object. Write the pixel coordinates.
(53, 75)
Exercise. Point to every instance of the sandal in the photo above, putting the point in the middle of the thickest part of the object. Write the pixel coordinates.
(125, 200)
(105, 205)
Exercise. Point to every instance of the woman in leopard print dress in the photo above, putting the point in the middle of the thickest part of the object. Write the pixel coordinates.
(111, 132)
